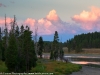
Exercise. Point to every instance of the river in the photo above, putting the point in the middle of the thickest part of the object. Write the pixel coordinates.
(83, 58)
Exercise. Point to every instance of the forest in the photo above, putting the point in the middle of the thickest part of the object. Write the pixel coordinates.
(20, 52)
(89, 40)
(17, 47)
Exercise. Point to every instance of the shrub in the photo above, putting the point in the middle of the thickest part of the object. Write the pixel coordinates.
(39, 68)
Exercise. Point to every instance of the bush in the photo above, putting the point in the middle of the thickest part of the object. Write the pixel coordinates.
(39, 68)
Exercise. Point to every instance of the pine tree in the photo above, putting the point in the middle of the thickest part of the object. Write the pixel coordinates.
(12, 49)
(0, 44)
(40, 44)
(55, 48)
(29, 56)
(20, 44)
(51, 55)
(12, 54)
(61, 52)
(52, 52)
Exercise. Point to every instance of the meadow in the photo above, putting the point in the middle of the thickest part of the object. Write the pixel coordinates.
(55, 67)
(84, 51)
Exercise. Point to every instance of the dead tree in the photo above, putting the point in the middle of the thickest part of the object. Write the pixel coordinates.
(13, 25)
(35, 40)
(6, 33)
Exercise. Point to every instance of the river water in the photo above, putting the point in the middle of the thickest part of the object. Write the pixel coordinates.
(83, 58)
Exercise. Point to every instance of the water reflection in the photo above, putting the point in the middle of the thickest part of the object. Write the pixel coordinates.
(80, 59)
(85, 62)
(84, 59)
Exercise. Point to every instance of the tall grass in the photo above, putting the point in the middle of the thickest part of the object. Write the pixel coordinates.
(56, 67)
(47, 66)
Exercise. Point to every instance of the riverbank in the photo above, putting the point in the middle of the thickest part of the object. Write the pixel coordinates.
(55, 67)
(87, 70)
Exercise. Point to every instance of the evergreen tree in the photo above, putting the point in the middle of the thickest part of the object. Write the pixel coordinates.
(18, 48)
(12, 54)
(29, 56)
(40, 44)
(61, 53)
(0, 44)
(51, 55)
(3, 48)
(52, 52)
(55, 52)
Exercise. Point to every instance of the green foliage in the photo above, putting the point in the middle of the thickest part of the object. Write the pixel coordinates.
(0, 50)
(55, 45)
(61, 52)
(3, 67)
(56, 50)
(40, 68)
(47, 66)
(17, 48)
(3, 47)
(28, 56)
(40, 45)
(12, 54)
(51, 55)
(61, 68)
(0, 44)
(56, 67)
(20, 55)
(47, 46)
(89, 40)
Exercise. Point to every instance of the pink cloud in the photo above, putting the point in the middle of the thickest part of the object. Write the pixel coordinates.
(44, 26)
(88, 19)
(2, 5)
(52, 16)
(2, 20)
(47, 25)
(30, 21)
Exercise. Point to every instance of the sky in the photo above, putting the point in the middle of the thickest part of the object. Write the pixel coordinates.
(68, 17)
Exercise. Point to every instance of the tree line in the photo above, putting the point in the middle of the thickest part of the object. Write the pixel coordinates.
(17, 47)
(89, 40)
(19, 51)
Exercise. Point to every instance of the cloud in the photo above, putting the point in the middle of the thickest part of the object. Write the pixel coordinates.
(29, 21)
(89, 20)
(52, 16)
(2, 5)
(2, 21)
(86, 21)
(47, 25)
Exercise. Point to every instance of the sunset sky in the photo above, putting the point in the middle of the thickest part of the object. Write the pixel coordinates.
(68, 17)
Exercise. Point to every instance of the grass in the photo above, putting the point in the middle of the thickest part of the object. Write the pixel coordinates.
(55, 67)
(49, 66)
(84, 51)
(3, 67)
